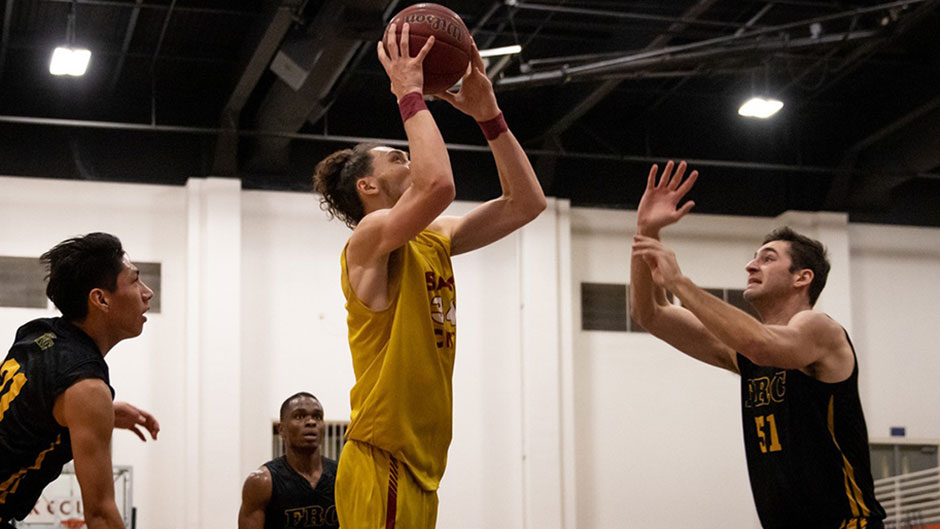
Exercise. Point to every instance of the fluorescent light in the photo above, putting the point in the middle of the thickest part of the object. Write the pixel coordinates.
(69, 61)
(758, 107)
(505, 50)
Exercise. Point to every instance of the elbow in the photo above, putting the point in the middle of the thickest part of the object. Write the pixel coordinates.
(539, 205)
(530, 209)
(636, 314)
(643, 316)
(440, 191)
(445, 191)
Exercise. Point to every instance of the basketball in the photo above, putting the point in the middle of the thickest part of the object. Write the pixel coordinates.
(447, 61)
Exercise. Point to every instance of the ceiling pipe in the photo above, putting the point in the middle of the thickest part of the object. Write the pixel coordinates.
(612, 64)
(645, 60)
(180, 129)
(158, 7)
(691, 21)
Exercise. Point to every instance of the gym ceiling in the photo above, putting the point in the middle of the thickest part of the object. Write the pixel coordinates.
(261, 90)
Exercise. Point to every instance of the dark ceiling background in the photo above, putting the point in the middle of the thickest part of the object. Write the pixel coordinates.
(262, 90)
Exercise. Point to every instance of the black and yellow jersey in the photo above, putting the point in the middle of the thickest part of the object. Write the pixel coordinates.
(48, 356)
(295, 503)
(807, 450)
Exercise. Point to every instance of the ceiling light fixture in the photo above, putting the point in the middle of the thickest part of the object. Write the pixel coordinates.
(759, 107)
(505, 50)
(69, 60)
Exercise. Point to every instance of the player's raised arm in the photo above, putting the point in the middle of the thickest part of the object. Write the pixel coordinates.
(403, 195)
(675, 325)
(522, 197)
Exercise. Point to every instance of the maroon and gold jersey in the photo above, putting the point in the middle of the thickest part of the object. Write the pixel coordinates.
(403, 358)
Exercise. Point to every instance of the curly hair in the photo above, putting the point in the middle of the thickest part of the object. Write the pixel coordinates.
(805, 253)
(335, 179)
(77, 266)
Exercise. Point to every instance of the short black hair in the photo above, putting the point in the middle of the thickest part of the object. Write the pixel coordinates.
(78, 265)
(297, 395)
(805, 253)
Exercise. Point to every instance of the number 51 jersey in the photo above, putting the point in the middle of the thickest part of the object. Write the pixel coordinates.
(807, 449)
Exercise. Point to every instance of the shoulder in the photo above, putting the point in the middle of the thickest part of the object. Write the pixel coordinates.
(366, 238)
(258, 485)
(820, 326)
(835, 359)
(86, 402)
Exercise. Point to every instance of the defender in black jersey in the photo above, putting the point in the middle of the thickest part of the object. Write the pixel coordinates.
(55, 393)
(804, 430)
(296, 489)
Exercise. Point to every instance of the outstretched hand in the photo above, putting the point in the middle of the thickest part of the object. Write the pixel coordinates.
(658, 207)
(129, 417)
(404, 71)
(475, 97)
(661, 260)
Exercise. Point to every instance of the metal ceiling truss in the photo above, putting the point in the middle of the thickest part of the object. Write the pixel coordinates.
(757, 40)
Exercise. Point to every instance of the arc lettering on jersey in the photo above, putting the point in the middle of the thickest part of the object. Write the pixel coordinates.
(763, 391)
(310, 516)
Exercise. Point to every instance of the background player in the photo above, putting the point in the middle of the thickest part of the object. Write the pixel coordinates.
(296, 489)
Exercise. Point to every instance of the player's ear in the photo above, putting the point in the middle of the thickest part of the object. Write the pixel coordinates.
(98, 299)
(803, 277)
(367, 185)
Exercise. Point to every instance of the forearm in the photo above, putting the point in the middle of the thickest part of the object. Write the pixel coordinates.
(430, 163)
(642, 302)
(517, 178)
(645, 295)
(730, 325)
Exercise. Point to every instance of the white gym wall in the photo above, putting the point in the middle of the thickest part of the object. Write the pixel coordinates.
(554, 427)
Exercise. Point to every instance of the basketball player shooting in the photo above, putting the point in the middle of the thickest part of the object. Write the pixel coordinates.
(400, 290)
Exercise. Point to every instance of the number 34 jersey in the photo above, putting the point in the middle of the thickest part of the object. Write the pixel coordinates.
(807, 450)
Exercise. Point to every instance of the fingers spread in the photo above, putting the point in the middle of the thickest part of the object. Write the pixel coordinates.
(687, 185)
(383, 58)
(651, 179)
(676, 178)
(405, 43)
(428, 44)
(390, 44)
(666, 178)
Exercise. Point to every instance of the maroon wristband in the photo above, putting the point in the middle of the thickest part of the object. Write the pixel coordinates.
(410, 104)
(492, 128)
